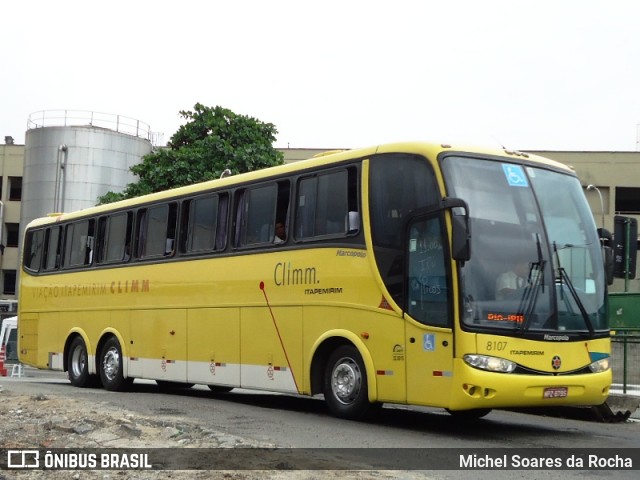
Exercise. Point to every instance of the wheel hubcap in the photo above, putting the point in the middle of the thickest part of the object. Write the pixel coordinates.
(111, 363)
(78, 361)
(346, 381)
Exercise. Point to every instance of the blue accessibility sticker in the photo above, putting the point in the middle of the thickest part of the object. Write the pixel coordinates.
(429, 342)
(515, 175)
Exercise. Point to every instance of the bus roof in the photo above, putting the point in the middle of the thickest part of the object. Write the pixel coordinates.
(431, 150)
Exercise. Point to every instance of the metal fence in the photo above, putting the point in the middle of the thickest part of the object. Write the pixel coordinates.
(70, 118)
(625, 353)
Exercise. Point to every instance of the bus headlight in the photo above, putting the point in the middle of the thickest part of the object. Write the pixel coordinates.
(601, 365)
(492, 364)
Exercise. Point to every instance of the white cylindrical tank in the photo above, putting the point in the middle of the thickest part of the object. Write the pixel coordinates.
(72, 158)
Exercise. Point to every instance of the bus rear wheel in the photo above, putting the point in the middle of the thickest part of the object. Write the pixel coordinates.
(78, 365)
(345, 384)
(111, 366)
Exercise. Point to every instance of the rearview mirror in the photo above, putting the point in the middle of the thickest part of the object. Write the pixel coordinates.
(460, 231)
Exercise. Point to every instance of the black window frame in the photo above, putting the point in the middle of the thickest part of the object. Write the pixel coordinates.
(189, 228)
(143, 239)
(106, 228)
(348, 221)
(13, 234)
(28, 249)
(9, 279)
(15, 188)
(627, 200)
(56, 252)
(256, 218)
(69, 249)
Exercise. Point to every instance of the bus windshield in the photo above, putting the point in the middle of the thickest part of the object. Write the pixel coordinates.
(535, 257)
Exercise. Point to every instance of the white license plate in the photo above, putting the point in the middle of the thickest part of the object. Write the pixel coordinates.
(555, 392)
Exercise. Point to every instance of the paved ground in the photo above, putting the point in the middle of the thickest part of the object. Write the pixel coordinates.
(44, 421)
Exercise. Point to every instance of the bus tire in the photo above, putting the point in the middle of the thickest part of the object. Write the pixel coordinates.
(78, 365)
(111, 366)
(345, 384)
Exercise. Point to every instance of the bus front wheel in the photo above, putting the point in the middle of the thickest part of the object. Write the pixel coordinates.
(78, 365)
(345, 384)
(111, 367)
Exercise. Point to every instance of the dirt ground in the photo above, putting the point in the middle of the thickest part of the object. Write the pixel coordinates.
(49, 422)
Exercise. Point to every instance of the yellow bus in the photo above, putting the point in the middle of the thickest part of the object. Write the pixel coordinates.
(411, 273)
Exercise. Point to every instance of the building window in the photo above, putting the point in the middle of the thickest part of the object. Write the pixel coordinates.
(15, 188)
(628, 200)
(12, 234)
(9, 282)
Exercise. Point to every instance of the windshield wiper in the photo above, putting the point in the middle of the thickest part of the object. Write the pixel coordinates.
(563, 276)
(531, 291)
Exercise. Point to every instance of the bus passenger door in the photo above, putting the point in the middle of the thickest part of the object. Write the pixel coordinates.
(428, 313)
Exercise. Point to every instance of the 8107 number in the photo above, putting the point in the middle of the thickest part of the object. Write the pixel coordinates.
(496, 346)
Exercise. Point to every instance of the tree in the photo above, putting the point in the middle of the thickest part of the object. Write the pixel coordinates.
(211, 141)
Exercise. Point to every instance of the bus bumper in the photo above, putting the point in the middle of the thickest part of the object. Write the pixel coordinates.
(475, 388)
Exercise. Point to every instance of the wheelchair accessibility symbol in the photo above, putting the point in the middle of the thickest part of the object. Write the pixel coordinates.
(515, 175)
(429, 342)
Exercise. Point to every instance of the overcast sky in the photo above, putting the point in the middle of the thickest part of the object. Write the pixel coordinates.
(539, 74)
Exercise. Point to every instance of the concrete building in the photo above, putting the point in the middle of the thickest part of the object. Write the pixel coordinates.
(11, 167)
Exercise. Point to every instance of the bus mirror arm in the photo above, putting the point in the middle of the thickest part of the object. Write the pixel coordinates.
(461, 229)
(606, 240)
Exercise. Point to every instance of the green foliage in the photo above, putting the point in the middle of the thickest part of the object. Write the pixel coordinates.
(212, 140)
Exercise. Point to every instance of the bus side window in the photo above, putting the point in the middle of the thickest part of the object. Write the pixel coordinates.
(327, 204)
(101, 246)
(114, 237)
(223, 215)
(33, 250)
(200, 222)
(257, 212)
(141, 232)
(79, 243)
(52, 248)
(157, 231)
(428, 291)
(259, 215)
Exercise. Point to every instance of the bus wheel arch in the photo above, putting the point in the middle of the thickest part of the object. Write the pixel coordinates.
(341, 371)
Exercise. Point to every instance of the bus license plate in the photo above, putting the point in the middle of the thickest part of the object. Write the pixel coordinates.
(555, 392)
